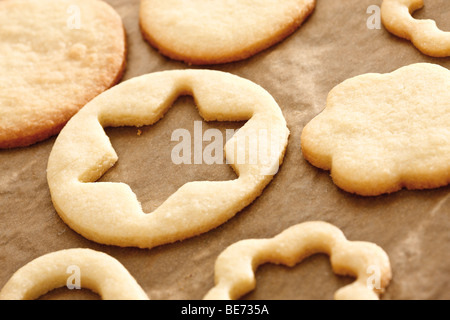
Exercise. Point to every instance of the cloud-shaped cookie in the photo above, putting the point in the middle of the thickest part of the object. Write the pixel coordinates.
(235, 267)
(380, 133)
(424, 34)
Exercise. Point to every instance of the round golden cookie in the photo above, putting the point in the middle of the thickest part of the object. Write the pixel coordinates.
(205, 32)
(110, 213)
(55, 56)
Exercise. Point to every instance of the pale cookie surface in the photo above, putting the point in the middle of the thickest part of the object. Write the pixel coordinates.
(98, 272)
(236, 266)
(424, 34)
(110, 213)
(380, 133)
(55, 56)
(219, 31)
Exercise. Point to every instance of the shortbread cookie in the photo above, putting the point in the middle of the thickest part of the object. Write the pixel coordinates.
(219, 31)
(97, 271)
(381, 133)
(424, 34)
(110, 213)
(55, 56)
(236, 266)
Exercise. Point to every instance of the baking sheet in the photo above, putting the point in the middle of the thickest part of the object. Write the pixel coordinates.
(333, 45)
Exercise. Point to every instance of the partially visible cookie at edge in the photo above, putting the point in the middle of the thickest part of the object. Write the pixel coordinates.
(95, 270)
(55, 56)
(213, 32)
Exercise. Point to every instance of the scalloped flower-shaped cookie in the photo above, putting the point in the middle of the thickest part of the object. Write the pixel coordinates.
(424, 34)
(235, 267)
(383, 132)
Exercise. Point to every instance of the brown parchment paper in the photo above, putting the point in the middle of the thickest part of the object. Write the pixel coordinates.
(334, 44)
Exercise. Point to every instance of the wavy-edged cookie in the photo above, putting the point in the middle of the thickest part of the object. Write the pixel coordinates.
(236, 266)
(424, 34)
